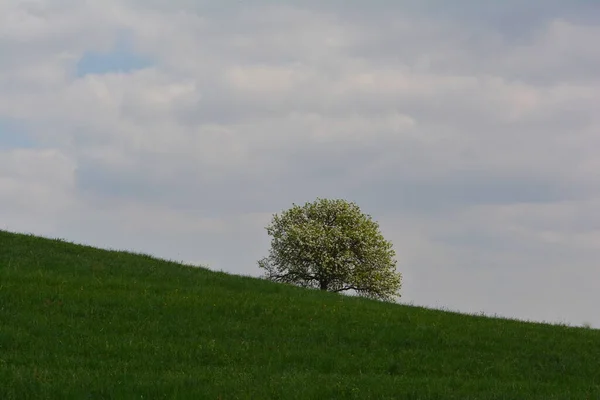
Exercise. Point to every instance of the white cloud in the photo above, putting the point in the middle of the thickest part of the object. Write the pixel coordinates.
(36, 187)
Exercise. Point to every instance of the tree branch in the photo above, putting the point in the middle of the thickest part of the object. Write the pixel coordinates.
(351, 287)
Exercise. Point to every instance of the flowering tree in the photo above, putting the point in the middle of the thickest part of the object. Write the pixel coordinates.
(331, 245)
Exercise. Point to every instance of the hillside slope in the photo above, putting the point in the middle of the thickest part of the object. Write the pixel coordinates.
(83, 323)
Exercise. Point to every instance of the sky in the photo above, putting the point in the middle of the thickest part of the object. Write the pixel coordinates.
(468, 130)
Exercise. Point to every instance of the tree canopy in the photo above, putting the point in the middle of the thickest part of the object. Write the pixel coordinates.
(331, 245)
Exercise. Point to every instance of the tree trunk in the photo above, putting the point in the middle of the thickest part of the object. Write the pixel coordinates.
(324, 285)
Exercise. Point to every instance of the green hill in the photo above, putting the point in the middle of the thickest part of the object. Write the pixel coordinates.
(83, 323)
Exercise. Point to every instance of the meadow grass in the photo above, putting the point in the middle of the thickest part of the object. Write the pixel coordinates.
(82, 323)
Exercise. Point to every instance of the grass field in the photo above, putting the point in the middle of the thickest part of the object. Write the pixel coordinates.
(83, 323)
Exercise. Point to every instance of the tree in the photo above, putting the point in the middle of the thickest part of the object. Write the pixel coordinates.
(331, 245)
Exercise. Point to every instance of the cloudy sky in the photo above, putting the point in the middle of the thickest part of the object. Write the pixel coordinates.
(470, 131)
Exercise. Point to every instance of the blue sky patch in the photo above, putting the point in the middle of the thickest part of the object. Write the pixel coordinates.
(13, 134)
(120, 59)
